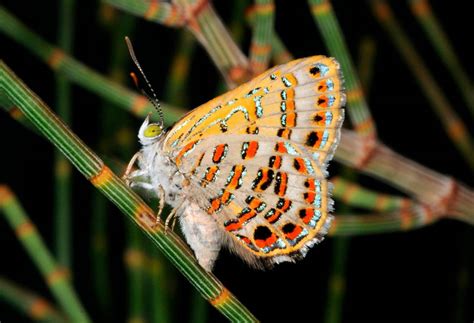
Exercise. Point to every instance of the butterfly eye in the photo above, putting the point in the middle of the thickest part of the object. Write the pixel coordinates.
(152, 130)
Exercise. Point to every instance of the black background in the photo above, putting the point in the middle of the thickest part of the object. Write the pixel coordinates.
(391, 277)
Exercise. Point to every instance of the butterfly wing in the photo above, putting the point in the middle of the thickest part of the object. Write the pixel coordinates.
(257, 156)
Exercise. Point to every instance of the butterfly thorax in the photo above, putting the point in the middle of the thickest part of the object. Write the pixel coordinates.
(159, 170)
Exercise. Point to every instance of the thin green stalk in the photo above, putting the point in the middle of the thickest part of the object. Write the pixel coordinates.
(35, 307)
(134, 259)
(158, 11)
(121, 195)
(206, 26)
(453, 125)
(159, 293)
(261, 45)
(179, 70)
(422, 184)
(80, 74)
(410, 218)
(353, 194)
(280, 53)
(358, 110)
(62, 170)
(55, 276)
(100, 254)
(337, 280)
(367, 52)
(433, 29)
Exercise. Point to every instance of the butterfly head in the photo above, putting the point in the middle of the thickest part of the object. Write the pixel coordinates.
(149, 133)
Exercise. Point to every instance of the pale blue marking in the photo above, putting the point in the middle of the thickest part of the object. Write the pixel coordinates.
(248, 95)
(309, 167)
(330, 84)
(291, 150)
(328, 118)
(283, 94)
(258, 105)
(323, 69)
(332, 99)
(317, 201)
(318, 186)
(325, 139)
(266, 90)
(234, 111)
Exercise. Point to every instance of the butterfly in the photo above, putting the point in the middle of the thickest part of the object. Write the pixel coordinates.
(247, 170)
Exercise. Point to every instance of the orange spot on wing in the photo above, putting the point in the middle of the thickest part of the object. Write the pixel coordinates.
(300, 165)
(234, 183)
(267, 242)
(290, 105)
(308, 214)
(252, 149)
(309, 197)
(281, 189)
(294, 234)
(218, 153)
(290, 119)
(275, 216)
(280, 147)
(183, 151)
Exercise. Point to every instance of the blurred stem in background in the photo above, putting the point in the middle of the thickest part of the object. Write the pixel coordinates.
(55, 276)
(35, 307)
(63, 233)
(340, 250)
(422, 10)
(453, 124)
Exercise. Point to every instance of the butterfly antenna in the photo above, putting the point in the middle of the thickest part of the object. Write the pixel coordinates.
(154, 99)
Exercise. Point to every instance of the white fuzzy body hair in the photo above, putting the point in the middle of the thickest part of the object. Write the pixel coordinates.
(160, 171)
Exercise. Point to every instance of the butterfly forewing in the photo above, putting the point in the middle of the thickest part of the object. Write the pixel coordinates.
(258, 155)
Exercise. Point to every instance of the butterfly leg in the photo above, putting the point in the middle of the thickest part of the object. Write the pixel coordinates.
(128, 171)
(161, 203)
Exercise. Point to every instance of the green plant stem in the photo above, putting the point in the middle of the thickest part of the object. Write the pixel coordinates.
(433, 29)
(367, 52)
(453, 125)
(161, 12)
(355, 195)
(160, 295)
(121, 195)
(261, 46)
(55, 276)
(35, 307)
(62, 170)
(358, 110)
(422, 184)
(208, 29)
(179, 70)
(134, 259)
(80, 74)
(337, 280)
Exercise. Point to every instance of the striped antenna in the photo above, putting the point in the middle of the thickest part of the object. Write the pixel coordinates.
(154, 99)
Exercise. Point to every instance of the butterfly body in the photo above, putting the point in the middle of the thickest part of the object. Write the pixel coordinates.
(247, 170)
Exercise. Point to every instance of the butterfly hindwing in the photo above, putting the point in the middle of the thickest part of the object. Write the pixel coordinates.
(257, 156)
